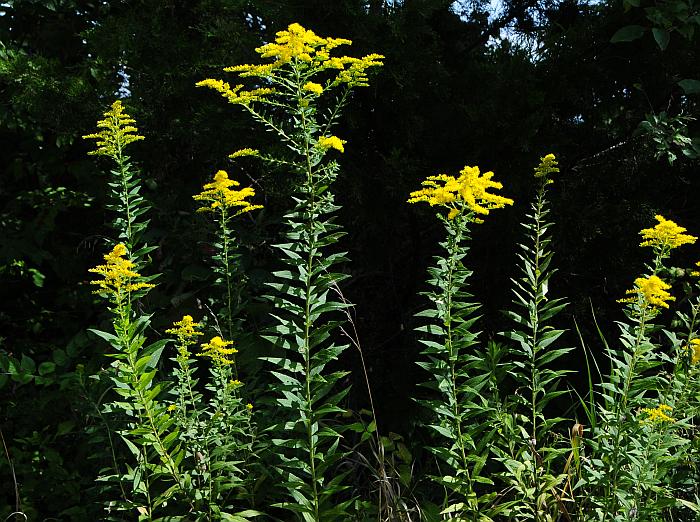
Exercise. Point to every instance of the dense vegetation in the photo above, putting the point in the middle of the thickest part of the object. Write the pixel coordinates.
(299, 343)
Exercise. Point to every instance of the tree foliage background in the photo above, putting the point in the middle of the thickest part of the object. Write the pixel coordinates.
(610, 88)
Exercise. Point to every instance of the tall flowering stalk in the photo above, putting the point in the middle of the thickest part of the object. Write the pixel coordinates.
(147, 433)
(449, 354)
(528, 460)
(300, 73)
(116, 131)
(634, 446)
(225, 203)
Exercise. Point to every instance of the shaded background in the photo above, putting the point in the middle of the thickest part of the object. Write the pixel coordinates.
(491, 84)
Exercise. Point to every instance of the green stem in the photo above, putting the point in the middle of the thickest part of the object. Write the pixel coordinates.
(611, 493)
(534, 373)
(453, 243)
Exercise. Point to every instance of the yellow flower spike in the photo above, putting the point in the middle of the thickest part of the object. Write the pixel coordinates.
(218, 194)
(185, 329)
(244, 152)
(314, 88)
(695, 273)
(117, 132)
(307, 50)
(235, 95)
(469, 190)
(652, 290)
(217, 349)
(658, 414)
(118, 274)
(548, 165)
(665, 235)
(694, 348)
(172, 407)
(249, 407)
(331, 142)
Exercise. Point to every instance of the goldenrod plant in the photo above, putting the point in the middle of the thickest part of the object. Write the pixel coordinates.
(185, 451)
(532, 469)
(450, 356)
(116, 131)
(224, 203)
(188, 447)
(637, 442)
(300, 72)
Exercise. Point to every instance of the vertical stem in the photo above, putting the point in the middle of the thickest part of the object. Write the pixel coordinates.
(534, 374)
(453, 244)
(310, 204)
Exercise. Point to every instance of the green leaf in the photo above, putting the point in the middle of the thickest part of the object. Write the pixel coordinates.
(662, 37)
(628, 33)
(46, 368)
(690, 86)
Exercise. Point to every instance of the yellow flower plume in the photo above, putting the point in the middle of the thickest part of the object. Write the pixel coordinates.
(218, 194)
(548, 165)
(185, 329)
(666, 235)
(331, 142)
(218, 349)
(235, 95)
(694, 348)
(658, 414)
(468, 191)
(117, 132)
(307, 51)
(652, 290)
(313, 88)
(118, 275)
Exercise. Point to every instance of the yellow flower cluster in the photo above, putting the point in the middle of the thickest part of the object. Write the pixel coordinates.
(185, 329)
(218, 350)
(117, 132)
(314, 88)
(694, 347)
(308, 50)
(244, 152)
(331, 142)
(658, 414)
(652, 290)
(666, 235)
(548, 165)
(118, 274)
(235, 95)
(696, 273)
(469, 190)
(219, 194)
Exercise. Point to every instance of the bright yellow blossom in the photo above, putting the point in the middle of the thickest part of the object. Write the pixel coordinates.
(666, 235)
(469, 190)
(331, 142)
(695, 273)
(658, 414)
(307, 51)
(219, 194)
(218, 350)
(117, 132)
(235, 95)
(185, 329)
(694, 348)
(313, 87)
(652, 290)
(119, 275)
(244, 152)
(249, 407)
(548, 165)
